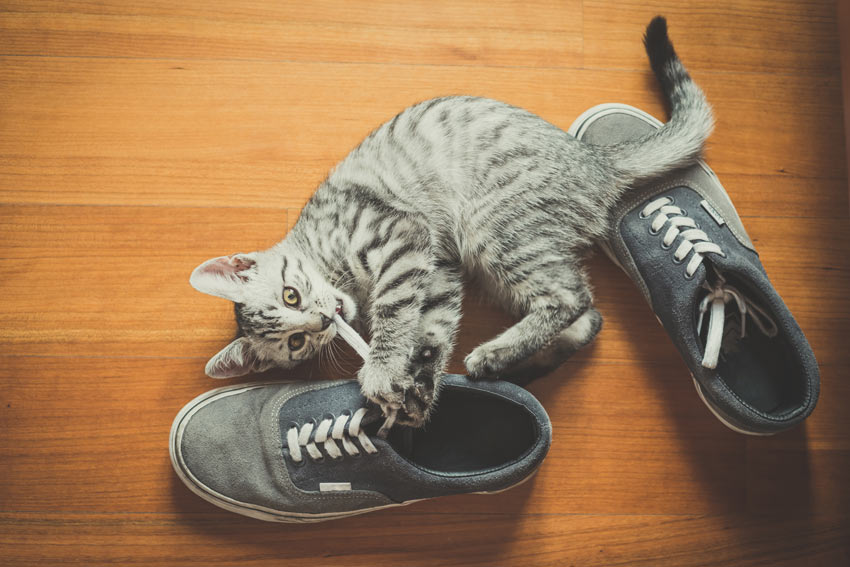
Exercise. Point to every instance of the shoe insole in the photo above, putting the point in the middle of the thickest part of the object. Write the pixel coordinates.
(757, 369)
(468, 432)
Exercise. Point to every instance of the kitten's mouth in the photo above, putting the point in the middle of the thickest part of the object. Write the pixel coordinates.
(339, 310)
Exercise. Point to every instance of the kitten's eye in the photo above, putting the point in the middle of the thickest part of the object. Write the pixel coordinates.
(291, 297)
(296, 341)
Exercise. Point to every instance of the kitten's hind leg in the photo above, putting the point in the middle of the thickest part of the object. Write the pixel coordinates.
(562, 347)
(549, 295)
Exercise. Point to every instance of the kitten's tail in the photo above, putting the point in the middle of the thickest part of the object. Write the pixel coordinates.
(680, 141)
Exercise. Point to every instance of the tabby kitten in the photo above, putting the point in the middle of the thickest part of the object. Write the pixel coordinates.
(450, 185)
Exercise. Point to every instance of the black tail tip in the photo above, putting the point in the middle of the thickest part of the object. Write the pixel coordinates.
(657, 43)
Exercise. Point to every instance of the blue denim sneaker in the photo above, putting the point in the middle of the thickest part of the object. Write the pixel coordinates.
(681, 241)
(311, 451)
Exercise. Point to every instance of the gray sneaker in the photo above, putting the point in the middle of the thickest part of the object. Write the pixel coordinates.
(310, 451)
(681, 241)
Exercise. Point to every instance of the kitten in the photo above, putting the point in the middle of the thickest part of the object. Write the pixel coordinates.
(450, 185)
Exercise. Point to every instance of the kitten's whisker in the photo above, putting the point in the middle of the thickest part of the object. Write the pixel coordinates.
(333, 352)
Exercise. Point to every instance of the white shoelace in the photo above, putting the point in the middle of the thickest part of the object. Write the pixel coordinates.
(296, 439)
(350, 336)
(716, 300)
(694, 239)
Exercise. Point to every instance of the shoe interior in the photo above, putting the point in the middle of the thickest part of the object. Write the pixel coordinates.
(760, 369)
(469, 431)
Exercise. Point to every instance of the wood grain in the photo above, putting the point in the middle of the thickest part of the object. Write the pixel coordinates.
(417, 539)
(755, 36)
(234, 133)
(507, 33)
(137, 140)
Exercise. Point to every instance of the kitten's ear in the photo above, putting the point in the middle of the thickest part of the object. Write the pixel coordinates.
(222, 276)
(236, 359)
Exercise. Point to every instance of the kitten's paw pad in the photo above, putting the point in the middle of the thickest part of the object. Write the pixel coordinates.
(417, 404)
(486, 362)
(426, 354)
(422, 367)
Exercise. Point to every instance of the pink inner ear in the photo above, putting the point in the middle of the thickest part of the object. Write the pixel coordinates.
(229, 265)
(240, 262)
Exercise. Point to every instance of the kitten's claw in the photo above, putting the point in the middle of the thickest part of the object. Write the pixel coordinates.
(410, 407)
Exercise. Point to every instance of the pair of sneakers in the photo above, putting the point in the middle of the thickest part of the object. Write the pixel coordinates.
(312, 451)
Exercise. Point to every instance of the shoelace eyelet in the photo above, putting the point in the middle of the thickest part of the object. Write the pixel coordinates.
(667, 246)
(301, 463)
(692, 276)
(654, 232)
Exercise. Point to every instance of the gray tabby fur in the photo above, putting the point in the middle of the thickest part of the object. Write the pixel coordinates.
(450, 186)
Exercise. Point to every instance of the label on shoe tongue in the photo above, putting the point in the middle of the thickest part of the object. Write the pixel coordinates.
(711, 211)
(334, 486)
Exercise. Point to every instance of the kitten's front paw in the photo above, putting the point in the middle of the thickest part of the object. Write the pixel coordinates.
(410, 396)
(382, 386)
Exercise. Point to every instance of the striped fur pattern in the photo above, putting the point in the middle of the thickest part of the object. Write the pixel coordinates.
(450, 186)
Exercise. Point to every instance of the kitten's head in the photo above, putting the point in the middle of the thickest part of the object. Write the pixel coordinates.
(284, 308)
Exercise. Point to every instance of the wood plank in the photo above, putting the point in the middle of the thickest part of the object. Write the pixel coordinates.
(266, 133)
(116, 279)
(512, 33)
(628, 439)
(784, 196)
(779, 479)
(725, 35)
(129, 296)
(411, 538)
(544, 15)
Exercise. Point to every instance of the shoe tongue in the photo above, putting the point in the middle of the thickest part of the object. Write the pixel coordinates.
(739, 313)
(731, 330)
(731, 333)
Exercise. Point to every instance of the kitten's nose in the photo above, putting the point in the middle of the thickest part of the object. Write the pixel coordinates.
(326, 321)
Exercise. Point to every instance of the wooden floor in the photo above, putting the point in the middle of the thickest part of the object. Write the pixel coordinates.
(138, 139)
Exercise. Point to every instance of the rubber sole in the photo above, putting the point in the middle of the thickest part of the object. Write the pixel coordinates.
(577, 129)
(253, 510)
